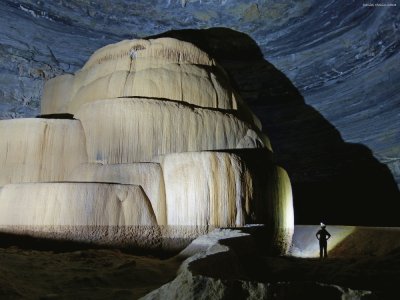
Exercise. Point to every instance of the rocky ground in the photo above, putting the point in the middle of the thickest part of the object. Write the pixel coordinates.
(222, 265)
(107, 274)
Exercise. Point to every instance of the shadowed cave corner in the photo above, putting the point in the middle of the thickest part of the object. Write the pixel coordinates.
(334, 181)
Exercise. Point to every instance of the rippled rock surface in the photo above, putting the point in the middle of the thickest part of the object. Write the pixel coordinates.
(329, 120)
(160, 150)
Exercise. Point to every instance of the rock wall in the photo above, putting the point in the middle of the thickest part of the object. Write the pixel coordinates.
(323, 166)
(225, 190)
(75, 204)
(148, 175)
(134, 130)
(106, 214)
(35, 150)
(206, 190)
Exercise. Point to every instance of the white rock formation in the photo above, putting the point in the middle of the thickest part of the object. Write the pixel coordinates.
(75, 204)
(34, 150)
(79, 211)
(148, 175)
(208, 188)
(221, 189)
(128, 130)
(163, 68)
(161, 151)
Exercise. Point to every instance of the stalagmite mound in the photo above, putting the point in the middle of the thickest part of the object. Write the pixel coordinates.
(161, 150)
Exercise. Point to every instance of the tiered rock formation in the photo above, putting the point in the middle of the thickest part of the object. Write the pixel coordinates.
(321, 78)
(162, 149)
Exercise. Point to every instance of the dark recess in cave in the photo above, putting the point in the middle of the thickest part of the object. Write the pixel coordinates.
(64, 116)
(333, 181)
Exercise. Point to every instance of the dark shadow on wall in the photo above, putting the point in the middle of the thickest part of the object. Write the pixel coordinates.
(333, 181)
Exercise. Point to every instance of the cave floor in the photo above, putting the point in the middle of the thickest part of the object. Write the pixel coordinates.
(380, 274)
(82, 274)
(109, 273)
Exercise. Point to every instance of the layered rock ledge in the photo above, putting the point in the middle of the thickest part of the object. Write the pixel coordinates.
(152, 148)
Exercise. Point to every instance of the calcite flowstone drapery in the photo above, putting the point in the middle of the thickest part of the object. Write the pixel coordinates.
(161, 149)
(148, 175)
(35, 150)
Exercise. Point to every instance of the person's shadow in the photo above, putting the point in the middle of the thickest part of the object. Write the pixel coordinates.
(333, 181)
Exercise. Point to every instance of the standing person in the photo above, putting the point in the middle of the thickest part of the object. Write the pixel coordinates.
(323, 236)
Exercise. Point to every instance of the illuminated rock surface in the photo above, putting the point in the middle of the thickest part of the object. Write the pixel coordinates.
(224, 189)
(223, 265)
(148, 175)
(346, 241)
(34, 150)
(109, 214)
(147, 168)
(340, 56)
(331, 121)
(163, 68)
(135, 130)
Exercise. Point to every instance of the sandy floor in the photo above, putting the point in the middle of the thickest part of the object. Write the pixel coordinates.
(85, 274)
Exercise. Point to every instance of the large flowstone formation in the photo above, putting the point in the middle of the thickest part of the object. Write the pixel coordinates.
(161, 149)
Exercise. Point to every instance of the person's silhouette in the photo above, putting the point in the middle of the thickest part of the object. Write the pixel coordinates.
(323, 236)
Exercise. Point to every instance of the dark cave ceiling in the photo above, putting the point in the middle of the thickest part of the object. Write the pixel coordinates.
(325, 84)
